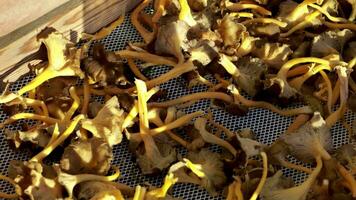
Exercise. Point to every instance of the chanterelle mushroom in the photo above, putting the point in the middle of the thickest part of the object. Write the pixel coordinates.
(63, 60)
(311, 140)
(104, 69)
(107, 123)
(92, 157)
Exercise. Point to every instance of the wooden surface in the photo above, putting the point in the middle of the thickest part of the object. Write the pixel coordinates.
(18, 43)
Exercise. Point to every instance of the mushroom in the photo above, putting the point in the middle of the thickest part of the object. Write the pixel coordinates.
(170, 39)
(203, 168)
(151, 158)
(92, 157)
(37, 181)
(273, 54)
(39, 136)
(107, 123)
(200, 124)
(98, 190)
(69, 181)
(104, 70)
(330, 42)
(63, 60)
(310, 140)
(252, 71)
(276, 191)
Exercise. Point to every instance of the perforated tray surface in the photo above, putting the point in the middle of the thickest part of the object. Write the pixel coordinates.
(266, 125)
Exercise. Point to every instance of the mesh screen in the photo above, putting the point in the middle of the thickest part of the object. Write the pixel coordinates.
(266, 125)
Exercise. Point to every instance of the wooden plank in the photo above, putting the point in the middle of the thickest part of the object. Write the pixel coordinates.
(71, 18)
(15, 14)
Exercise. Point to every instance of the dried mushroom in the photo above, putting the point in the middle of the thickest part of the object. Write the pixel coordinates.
(278, 191)
(170, 39)
(37, 181)
(107, 123)
(273, 54)
(63, 60)
(38, 136)
(252, 72)
(150, 158)
(212, 167)
(103, 68)
(95, 189)
(310, 140)
(331, 42)
(92, 157)
(244, 53)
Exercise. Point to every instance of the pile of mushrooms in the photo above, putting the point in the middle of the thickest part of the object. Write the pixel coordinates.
(265, 54)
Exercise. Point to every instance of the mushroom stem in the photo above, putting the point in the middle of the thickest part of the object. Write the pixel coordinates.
(266, 105)
(303, 24)
(349, 178)
(171, 114)
(140, 193)
(298, 82)
(18, 116)
(55, 135)
(161, 192)
(12, 182)
(86, 97)
(146, 19)
(145, 34)
(32, 95)
(176, 124)
(46, 151)
(134, 110)
(295, 14)
(165, 128)
(130, 117)
(159, 8)
(321, 150)
(193, 97)
(200, 125)
(229, 66)
(329, 88)
(136, 70)
(45, 75)
(263, 178)
(185, 14)
(336, 93)
(235, 7)
(34, 103)
(225, 130)
(332, 25)
(234, 190)
(173, 73)
(147, 57)
(265, 21)
(158, 122)
(75, 104)
(327, 14)
(297, 123)
(290, 165)
(142, 106)
(104, 31)
(288, 65)
(242, 14)
(344, 90)
(298, 70)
